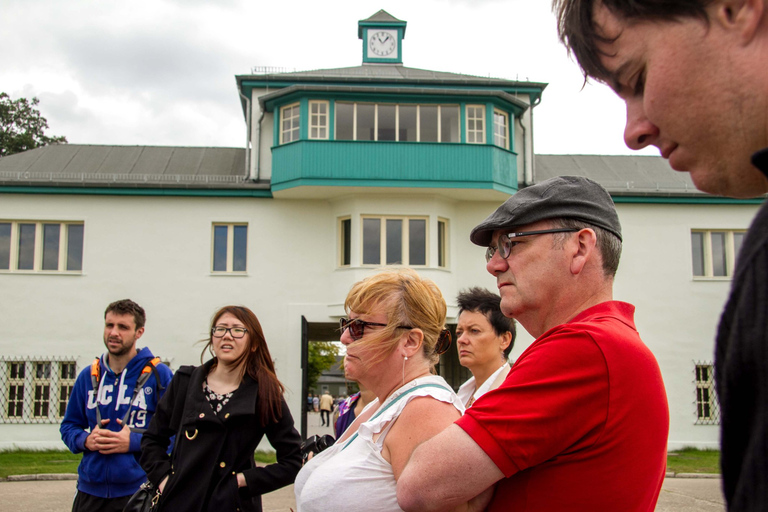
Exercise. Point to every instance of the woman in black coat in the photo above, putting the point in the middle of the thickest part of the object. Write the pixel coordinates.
(219, 413)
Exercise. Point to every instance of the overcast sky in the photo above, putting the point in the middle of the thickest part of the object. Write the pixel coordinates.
(162, 72)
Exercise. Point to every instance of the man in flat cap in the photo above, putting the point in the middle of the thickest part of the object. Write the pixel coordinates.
(581, 422)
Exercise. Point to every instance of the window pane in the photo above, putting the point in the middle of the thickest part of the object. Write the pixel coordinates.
(26, 246)
(5, 245)
(75, 247)
(51, 234)
(417, 242)
(499, 129)
(697, 249)
(371, 241)
(718, 254)
(449, 124)
(738, 238)
(365, 122)
(346, 241)
(394, 241)
(407, 120)
(440, 243)
(344, 121)
(387, 122)
(428, 123)
(220, 249)
(475, 125)
(240, 248)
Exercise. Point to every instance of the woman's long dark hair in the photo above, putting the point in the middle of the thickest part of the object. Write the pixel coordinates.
(257, 362)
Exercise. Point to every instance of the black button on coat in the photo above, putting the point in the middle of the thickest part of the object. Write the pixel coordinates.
(209, 450)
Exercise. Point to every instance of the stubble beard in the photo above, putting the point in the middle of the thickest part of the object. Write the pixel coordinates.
(120, 351)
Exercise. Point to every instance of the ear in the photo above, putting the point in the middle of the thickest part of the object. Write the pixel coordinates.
(506, 339)
(744, 16)
(413, 342)
(583, 249)
(139, 332)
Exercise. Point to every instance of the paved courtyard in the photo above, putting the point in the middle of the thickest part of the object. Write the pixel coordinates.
(677, 495)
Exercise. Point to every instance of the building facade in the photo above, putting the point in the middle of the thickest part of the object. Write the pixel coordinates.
(347, 170)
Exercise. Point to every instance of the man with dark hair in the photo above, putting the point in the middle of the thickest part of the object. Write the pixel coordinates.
(110, 407)
(694, 76)
(581, 421)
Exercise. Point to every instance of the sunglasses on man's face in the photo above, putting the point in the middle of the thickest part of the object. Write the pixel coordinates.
(357, 327)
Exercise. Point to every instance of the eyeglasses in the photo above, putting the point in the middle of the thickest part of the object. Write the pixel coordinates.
(504, 244)
(357, 326)
(236, 332)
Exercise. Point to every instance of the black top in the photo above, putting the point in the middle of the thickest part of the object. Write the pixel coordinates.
(210, 449)
(741, 370)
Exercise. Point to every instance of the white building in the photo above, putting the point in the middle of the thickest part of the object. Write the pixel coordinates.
(347, 170)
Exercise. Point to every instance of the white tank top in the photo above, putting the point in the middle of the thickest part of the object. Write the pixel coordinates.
(352, 475)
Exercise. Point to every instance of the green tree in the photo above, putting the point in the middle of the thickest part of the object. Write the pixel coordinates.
(321, 356)
(22, 127)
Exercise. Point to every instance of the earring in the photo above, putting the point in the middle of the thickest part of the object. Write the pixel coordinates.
(404, 360)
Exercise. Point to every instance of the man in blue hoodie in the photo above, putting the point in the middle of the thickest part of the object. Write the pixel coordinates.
(110, 407)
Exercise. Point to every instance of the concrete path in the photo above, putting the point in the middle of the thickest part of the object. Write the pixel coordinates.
(677, 494)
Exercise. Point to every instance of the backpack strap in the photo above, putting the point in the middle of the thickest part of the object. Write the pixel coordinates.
(95, 380)
(149, 369)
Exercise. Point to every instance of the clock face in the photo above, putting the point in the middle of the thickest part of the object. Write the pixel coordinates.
(382, 44)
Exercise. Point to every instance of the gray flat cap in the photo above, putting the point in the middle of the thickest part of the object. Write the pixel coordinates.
(562, 197)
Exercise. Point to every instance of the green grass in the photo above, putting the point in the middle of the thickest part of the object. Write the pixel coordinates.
(687, 460)
(23, 462)
(691, 460)
(35, 462)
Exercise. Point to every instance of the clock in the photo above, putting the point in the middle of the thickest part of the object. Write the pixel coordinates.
(382, 44)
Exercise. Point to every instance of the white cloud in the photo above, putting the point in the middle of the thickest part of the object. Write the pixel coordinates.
(162, 72)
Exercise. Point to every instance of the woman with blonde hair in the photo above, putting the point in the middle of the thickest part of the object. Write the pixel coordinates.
(393, 335)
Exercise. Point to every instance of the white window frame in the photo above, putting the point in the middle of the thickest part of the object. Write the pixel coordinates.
(730, 253)
(16, 383)
(345, 237)
(405, 239)
(397, 119)
(37, 259)
(500, 128)
(707, 405)
(230, 248)
(41, 390)
(65, 386)
(475, 115)
(318, 121)
(51, 406)
(442, 245)
(290, 114)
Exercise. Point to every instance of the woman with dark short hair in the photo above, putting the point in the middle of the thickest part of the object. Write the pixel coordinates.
(484, 339)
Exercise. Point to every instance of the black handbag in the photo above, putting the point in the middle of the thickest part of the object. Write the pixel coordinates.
(144, 500)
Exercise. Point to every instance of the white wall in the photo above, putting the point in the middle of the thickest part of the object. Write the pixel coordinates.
(157, 251)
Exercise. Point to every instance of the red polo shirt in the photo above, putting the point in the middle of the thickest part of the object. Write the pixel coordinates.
(581, 422)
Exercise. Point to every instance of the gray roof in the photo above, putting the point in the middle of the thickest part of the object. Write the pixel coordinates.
(474, 93)
(621, 175)
(74, 165)
(388, 73)
(382, 16)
